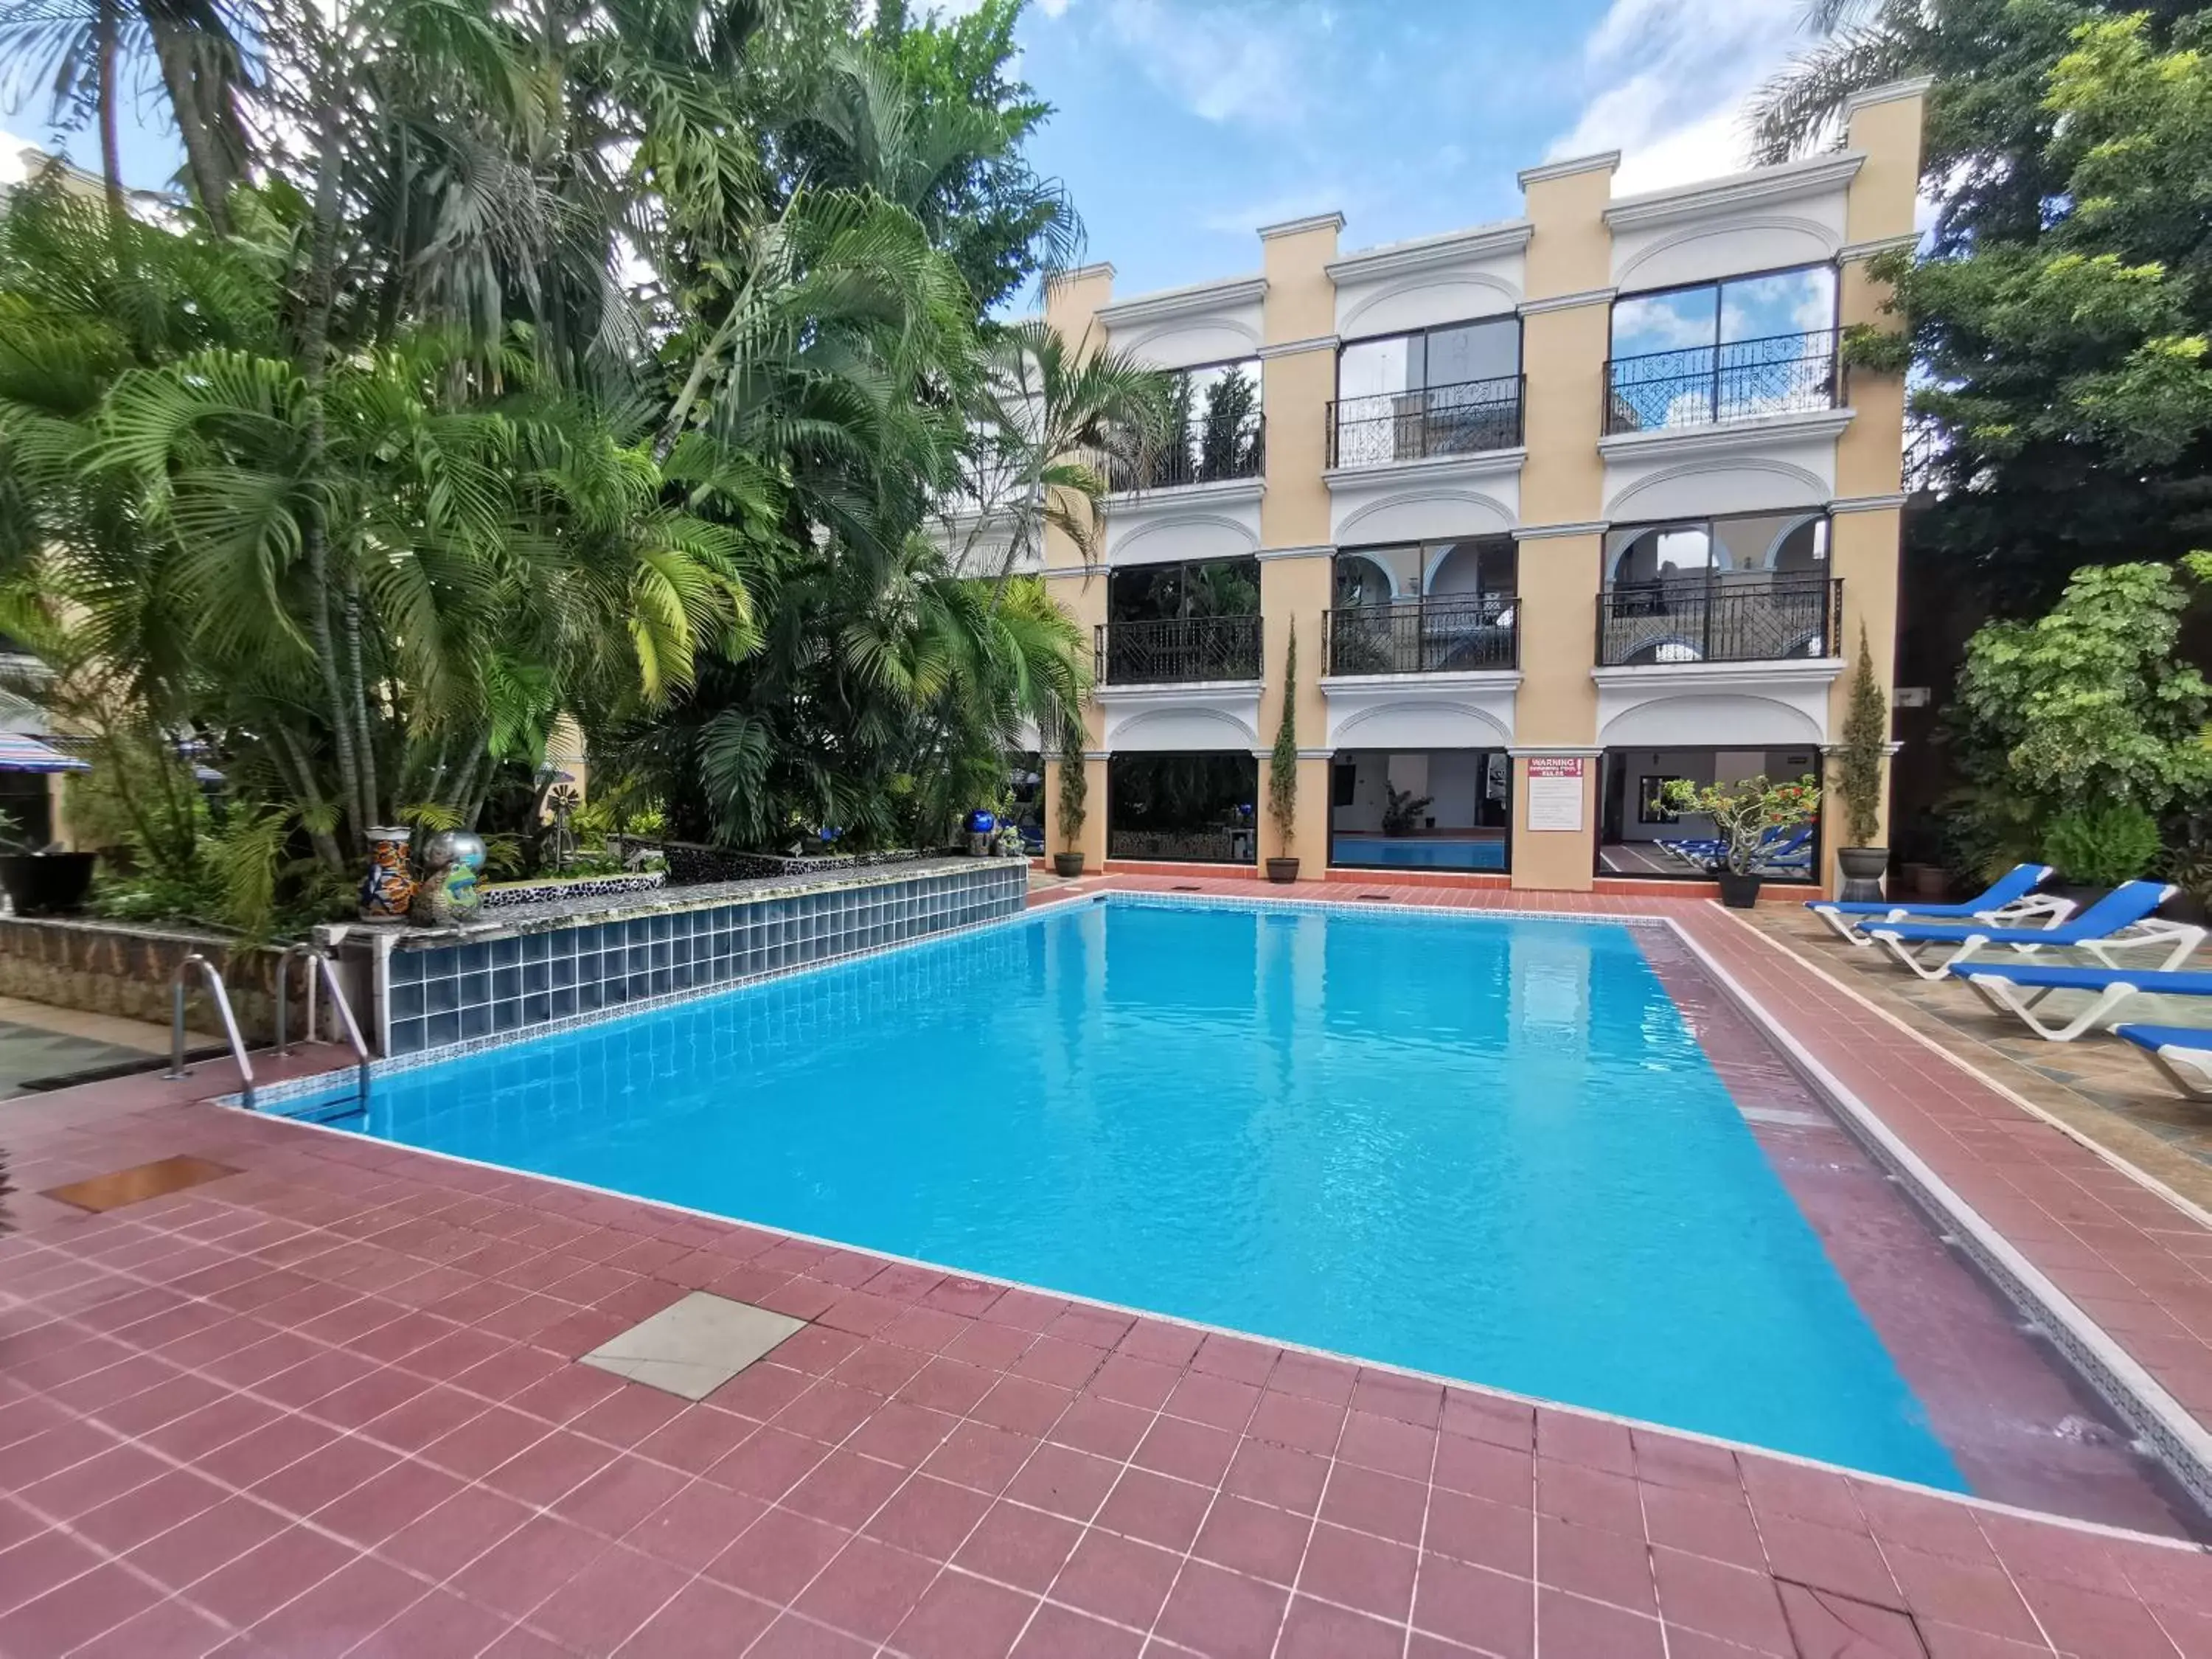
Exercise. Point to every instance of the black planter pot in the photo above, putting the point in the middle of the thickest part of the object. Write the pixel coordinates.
(1282, 870)
(1068, 864)
(1864, 868)
(46, 884)
(1737, 892)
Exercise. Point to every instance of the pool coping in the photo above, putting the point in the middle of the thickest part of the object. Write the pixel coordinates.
(2170, 1432)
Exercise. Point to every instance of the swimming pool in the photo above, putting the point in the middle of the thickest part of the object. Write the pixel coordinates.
(1417, 852)
(1484, 1148)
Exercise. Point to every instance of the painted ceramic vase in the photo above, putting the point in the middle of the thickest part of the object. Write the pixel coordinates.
(387, 889)
(449, 892)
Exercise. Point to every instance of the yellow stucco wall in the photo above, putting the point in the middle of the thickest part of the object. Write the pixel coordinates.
(1863, 543)
(1562, 355)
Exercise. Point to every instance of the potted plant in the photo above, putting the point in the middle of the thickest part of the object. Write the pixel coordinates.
(1283, 773)
(1858, 781)
(1074, 798)
(1401, 812)
(41, 884)
(1745, 812)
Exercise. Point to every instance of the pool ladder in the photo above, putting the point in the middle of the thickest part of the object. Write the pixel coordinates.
(322, 973)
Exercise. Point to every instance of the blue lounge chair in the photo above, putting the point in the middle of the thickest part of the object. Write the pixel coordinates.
(2182, 1053)
(2122, 919)
(1778, 849)
(2020, 989)
(2009, 902)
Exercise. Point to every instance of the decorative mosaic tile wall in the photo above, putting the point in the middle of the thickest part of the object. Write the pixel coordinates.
(496, 986)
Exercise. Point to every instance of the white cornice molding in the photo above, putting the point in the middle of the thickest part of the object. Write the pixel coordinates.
(1722, 676)
(1307, 754)
(1331, 221)
(1291, 348)
(1588, 296)
(1166, 498)
(1868, 249)
(1065, 572)
(1485, 464)
(1554, 751)
(1664, 443)
(1867, 503)
(1604, 161)
(1888, 92)
(1485, 679)
(1763, 185)
(1169, 304)
(1267, 553)
(1537, 532)
(1171, 691)
(1426, 252)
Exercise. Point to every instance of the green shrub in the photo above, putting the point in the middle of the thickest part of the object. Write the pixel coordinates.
(2102, 846)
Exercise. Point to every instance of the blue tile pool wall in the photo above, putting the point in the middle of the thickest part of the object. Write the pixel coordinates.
(496, 986)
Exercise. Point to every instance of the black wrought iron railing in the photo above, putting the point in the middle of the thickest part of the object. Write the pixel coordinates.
(1756, 618)
(1423, 636)
(1461, 419)
(1698, 386)
(1177, 650)
(1204, 454)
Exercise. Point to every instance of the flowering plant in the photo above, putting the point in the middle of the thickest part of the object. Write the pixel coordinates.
(1747, 812)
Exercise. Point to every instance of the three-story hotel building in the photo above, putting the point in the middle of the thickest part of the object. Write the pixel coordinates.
(1555, 509)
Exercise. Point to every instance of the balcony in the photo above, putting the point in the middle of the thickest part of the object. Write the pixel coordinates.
(1465, 418)
(1178, 651)
(1759, 618)
(1206, 454)
(1704, 386)
(1448, 635)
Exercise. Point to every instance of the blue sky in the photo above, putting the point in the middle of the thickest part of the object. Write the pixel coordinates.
(1183, 125)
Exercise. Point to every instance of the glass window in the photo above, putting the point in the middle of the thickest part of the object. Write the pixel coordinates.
(1482, 565)
(1664, 322)
(1158, 592)
(1663, 553)
(1473, 351)
(1801, 301)
(1453, 356)
(1740, 309)
(1378, 369)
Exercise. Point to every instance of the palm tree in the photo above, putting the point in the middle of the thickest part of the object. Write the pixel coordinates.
(80, 51)
(1860, 43)
(1053, 424)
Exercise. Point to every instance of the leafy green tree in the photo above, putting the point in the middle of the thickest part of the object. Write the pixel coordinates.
(2057, 321)
(2087, 706)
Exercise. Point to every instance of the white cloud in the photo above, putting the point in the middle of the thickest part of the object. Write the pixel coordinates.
(1226, 63)
(1667, 80)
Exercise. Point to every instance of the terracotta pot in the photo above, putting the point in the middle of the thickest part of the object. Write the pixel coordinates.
(1282, 870)
(1069, 865)
(1864, 868)
(1737, 892)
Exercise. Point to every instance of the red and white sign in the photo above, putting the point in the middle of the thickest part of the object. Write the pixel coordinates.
(1555, 793)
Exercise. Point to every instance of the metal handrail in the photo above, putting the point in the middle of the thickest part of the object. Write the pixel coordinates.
(319, 967)
(221, 996)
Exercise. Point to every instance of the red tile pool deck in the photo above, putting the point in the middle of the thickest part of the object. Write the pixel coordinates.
(326, 1406)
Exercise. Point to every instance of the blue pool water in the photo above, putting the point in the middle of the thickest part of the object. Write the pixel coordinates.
(1482, 1147)
(1416, 852)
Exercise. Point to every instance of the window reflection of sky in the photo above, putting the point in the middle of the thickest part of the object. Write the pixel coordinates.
(1787, 302)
